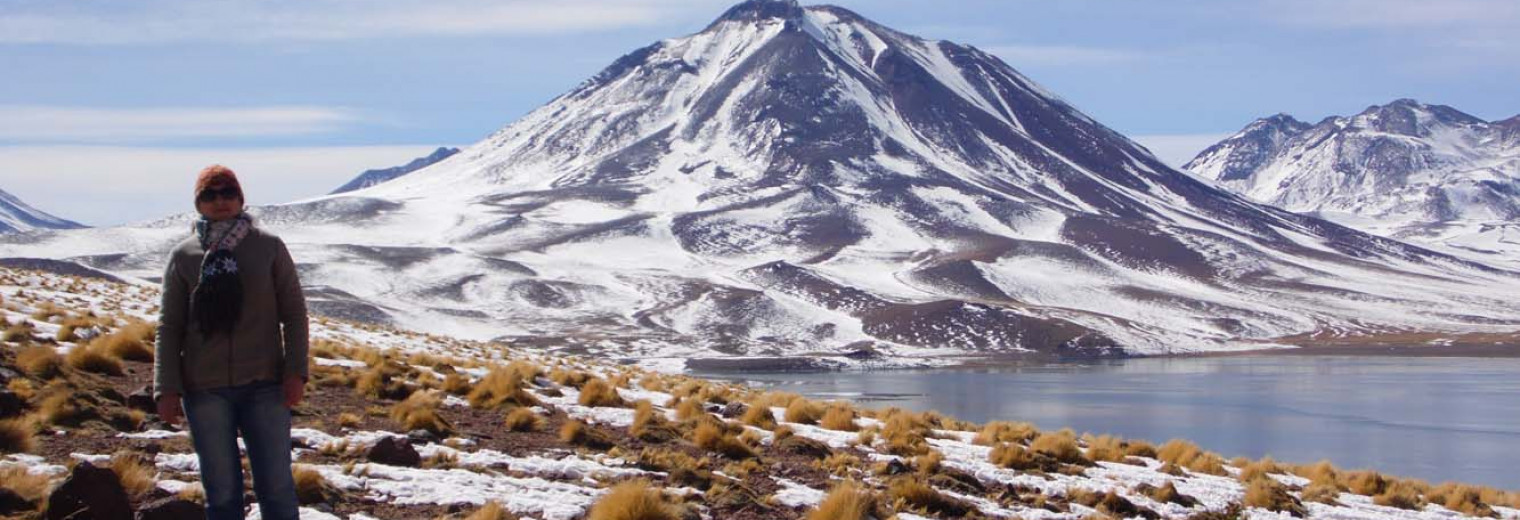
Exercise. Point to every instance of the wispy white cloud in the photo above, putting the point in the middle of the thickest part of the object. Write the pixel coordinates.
(163, 21)
(1064, 55)
(1178, 149)
(25, 123)
(108, 185)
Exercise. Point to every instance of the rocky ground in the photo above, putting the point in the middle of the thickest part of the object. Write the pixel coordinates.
(399, 425)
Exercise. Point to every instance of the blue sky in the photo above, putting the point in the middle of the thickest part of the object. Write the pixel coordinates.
(130, 98)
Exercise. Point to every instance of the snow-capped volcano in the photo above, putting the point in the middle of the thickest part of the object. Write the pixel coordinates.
(1424, 173)
(802, 180)
(17, 216)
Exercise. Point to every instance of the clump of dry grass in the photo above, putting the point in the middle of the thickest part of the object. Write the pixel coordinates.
(93, 357)
(598, 392)
(132, 342)
(420, 412)
(138, 477)
(803, 411)
(847, 501)
(571, 378)
(1185, 454)
(711, 437)
(1105, 448)
(1168, 493)
(1257, 470)
(18, 333)
(1400, 494)
(581, 434)
(905, 434)
(17, 436)
(759, 417)
(914, 493)
(32, 487)
(1013, 456)
(311, 486)
(839, 417)
(40, 361)
(690, 408)
(1461, 498)
(524, 420)
(348, 420)
(1321, 472)
(683, 468)
(1268, 494)
(633, 500)
(1364, 482)
(500, 387)
(650, 425)
(383, 380)
(47, 311)
(839, 464)
(1061, 446)
(929, 463)
(996, 432)
(456, 384)
(490, 511)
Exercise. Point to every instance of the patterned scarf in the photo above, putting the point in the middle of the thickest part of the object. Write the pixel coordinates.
(218, 298)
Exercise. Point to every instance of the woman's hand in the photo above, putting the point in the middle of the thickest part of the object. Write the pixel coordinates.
(295, 388)
(169, 408)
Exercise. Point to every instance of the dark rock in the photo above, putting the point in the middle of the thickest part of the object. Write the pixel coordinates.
(89, 493)
(896, 467)
(112, 395)
(732, 410)
(142, 399)
(11, 405)
(172, 508)
(11, 503)
(422, 436)
(394, 451)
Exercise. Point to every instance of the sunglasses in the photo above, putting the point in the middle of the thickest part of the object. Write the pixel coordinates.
(211, 194)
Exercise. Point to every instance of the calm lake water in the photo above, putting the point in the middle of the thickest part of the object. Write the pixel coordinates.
(1436, 419)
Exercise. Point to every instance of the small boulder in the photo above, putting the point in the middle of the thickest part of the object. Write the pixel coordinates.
(12, 503)
(172, 508)
(394, 451)
(89, 492)
(734, 409)
(142, 399)
(11, 405)
(804, 446)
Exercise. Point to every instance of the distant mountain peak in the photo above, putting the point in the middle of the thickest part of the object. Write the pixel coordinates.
(377, 176)
(18, 216)
(752, 10)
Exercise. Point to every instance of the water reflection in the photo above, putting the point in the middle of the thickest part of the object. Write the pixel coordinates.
(1431, 418)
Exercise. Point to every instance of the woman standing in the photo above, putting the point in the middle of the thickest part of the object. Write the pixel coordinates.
(231, 351)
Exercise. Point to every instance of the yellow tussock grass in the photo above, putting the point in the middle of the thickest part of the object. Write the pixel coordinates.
(847, 501)
(712, 438)
(598, 392)
(500, 387)
(138, 477)
(311, 486)
(491, 511)
(581, 434)
(918, 495)
(1001, 431)
(1268, 494)
(839, 417)
(420, 412)
(524, 420)
(759, 417)
(633, 500)
(1012, 456)
(31, 486)
(1188, 455)
(1400, 494)
(92, 357)
(16, 436)
(1061, 446)
(803, 411)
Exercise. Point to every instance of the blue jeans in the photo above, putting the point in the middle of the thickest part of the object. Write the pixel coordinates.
(258, 411)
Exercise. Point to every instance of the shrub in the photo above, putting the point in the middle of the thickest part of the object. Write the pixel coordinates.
(1461, 498)
(1186, 454)
(917, 494)
(420, 412)
(311, 486)
(1268, 494)
(1368, 483)
(132, 342)
(598, 392)
(1013, 456)
(580, 434)
(649, 425)
(93, 358)
(847, 501)
(1001, 431)
(16, 436)
(839, 417)
(803, 411)
(500, 387)
(1106, 448)
(138, 477)
(712, 438)
(633, 500)
(39, 361)
(33, 487)
(1061, 446)
(1322, 492)
(1401, 495)
(491, 511)
(759, 417)
(524, 420)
